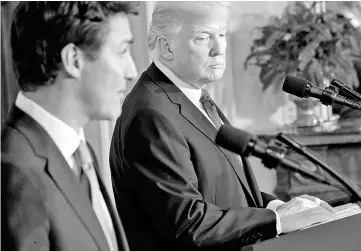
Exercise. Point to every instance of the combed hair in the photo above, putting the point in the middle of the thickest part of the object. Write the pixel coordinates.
(40, 30)
(166, 19)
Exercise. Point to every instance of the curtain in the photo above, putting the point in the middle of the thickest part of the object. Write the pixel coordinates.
(9, 85)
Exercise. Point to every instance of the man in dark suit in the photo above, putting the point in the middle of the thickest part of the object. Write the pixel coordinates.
(177, 188)
(72, 60)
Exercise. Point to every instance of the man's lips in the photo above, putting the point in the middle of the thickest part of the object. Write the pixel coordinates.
(216, 65)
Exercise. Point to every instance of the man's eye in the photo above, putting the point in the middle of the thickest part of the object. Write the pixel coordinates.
(124, 51)
(223, 35)
(201, 39)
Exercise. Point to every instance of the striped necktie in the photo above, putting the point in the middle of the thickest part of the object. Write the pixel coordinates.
(210, 108)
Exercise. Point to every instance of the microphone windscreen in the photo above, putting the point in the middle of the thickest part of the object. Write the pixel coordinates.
(233, 139)
(296, 86)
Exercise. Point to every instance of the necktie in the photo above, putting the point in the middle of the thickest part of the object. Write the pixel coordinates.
(84, 160)
(210, 109)
(79, 172)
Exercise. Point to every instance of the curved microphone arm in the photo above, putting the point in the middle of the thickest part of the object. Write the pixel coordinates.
(275, 156)
(296, 146)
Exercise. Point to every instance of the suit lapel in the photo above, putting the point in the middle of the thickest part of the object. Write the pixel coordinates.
(249, 181)
(187, 109)
(118, 226)
(61, 174)
(69, 186)
(194, 116)
(252, 182)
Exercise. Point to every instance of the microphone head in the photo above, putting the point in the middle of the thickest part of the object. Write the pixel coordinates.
(296, 86)
(233, 139)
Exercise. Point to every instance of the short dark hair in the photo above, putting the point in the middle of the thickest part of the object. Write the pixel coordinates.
(40, 30)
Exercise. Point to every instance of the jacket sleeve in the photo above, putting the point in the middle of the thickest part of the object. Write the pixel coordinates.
(166, 184)
(267, 198)
(25, 225)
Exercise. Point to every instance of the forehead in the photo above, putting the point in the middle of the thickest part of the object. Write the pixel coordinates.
(207, 27)
(205, 17)
(118, 29)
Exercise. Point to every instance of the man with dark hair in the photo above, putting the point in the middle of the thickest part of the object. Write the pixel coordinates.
(72, 60)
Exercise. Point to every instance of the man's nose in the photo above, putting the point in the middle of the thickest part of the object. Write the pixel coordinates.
(131, 71)
(218, 48)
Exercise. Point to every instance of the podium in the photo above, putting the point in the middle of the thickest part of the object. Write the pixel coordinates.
(339, 235)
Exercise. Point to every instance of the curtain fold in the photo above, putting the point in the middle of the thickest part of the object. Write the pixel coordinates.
(9, 85)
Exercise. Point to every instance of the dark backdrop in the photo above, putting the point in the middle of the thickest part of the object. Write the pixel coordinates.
(9, 86)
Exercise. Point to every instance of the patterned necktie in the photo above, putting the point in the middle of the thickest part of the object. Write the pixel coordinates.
(210, 109)
(212, 112)
(79, 172)
(84, 160)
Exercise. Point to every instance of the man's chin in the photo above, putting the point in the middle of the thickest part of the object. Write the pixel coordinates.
(114, 116)
(215, 76)
(108, 115)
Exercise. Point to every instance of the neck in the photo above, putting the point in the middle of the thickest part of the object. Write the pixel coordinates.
(61, 103)
(190, 82)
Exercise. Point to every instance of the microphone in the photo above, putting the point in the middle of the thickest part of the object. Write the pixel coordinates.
(271, 154)
(303, 88)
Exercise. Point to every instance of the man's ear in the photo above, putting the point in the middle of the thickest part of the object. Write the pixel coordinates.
(72, 59)
(165, 49)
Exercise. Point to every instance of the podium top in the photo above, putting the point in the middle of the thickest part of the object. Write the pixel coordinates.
(339, 235)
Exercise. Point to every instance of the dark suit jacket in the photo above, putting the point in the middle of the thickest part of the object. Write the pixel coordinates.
(177, 188)
(43, 206)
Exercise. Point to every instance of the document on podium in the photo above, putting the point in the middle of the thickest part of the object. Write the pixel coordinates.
(342, 211)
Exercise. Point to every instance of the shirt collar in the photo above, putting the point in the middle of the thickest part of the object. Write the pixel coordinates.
(192, 92)
(64, 136)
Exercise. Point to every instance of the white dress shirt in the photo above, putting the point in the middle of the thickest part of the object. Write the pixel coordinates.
(65, 137)
(194, 93)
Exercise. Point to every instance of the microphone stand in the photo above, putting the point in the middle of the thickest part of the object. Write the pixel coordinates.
(297, 147)
(346, 89)
(276, 157)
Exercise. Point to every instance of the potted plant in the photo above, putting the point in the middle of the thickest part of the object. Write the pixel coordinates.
(309, 43)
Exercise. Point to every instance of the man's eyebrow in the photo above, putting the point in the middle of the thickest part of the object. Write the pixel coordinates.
(201, 30)
(206, 30)
(129, 41)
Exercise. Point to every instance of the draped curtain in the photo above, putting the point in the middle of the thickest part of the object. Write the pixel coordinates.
(9, 85)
